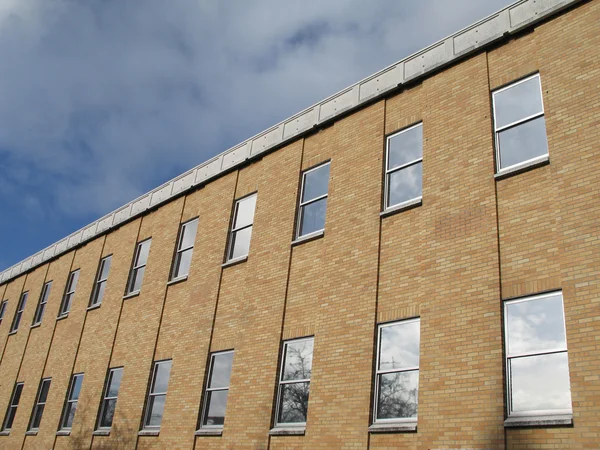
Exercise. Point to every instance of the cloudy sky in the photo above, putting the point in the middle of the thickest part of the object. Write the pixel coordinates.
(103, 100)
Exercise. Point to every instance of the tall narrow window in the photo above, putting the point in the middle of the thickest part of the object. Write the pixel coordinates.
(185, 248)
(40, 404)
(3, 310)
(519, 124)
(157, 394)
(536, 346)
(20, 308)
(397, 372)
(65, 306)
(404, 167)
(109, 401)
(313, 201)
(12, 407)
(101, 279)
(294, 382)
(41, 307)
(71, 403)
(217, 388)
(139, 266)
(241, 228)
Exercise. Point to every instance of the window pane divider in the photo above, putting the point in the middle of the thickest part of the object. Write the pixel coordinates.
(404, 166)
(316, 199)
(520, 122)
(548, 352)
(411, 369)
(300, 380)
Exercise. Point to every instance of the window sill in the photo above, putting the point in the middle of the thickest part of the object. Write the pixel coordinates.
(92, 307)
(131, 295)
(177, 280)
(36, 325)
(63, 433)
(101, 433)
(539, 421)
(149, 433)
(31, 433)
(4, 433)
(209, 432)
(399, 427)
(402, 207)
(233, 262)
(12, 333)
(62, 316)
(309, 237)
(287, 431)
(522, 167)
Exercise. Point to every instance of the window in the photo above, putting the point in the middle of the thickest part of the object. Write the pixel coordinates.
(519, 124)
(12, 407)
(3, 310)
(65, 306)
(294, 382)
(313, 201)
(17, 320)
(139, 266)
(241, 228)
(40, 404)
(101, 279)
(217, 388)
(397, 372)
(41, 307)
(185, 248)
(536, 346)
(109, 401)
(404, 167)
(71, 403)
(158, 394)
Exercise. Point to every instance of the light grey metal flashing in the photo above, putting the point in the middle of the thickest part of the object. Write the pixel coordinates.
(512, 19)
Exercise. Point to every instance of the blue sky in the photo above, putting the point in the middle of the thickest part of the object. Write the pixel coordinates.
(101, 101)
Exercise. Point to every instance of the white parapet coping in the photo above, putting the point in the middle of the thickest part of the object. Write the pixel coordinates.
(512, 19)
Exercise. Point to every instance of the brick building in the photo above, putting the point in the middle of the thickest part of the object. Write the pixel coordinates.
(420, 253)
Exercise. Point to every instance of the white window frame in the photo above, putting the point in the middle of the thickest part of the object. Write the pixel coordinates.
(13, 406)
(529, 118)
(235, 230)
(3, 305)
(151, 394)
(136, 266)
(19, 314)
(41, 306)
(208, 389)
(378, 372)
(65, 305)
(106, 398)
(180, 250)
(389, 172)
(302, 204)
(39, 403)
(69, 401)
(94, 300)
(508, 357)
(295, 381)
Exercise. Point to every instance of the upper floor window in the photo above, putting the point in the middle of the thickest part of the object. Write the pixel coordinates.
(40, 404)
(404, 167)
(217, 389)
(294, 382)
(241, 228)
(397, 372)
(155, 406)
(41, 307)
(537, 363)
(109, 401)
(185, 248)
(101, 279)
(65, 306)
(19, 314)
(139, 266)
(3, 310)
(519, 124)
(313, 200)
(71, 402)
(12, 407)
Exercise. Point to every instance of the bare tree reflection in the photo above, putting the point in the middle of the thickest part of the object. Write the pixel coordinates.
(295, 383)
(398, 395)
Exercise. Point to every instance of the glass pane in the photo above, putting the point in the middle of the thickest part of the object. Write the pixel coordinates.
(138, 277)
(46, 292)
(399, 346)
(405, 184)
(44, 391)
(398, 395)
(10, 418)
(161, 380)
(518, 102)
(217, 402)
(312, 217)
(156, 410)
(37, 416)
(108, 412)
(540, 382)
(240, 244)
(245, 212)
(67, 305)
(183, 265)
(73, 281)
(221, 370)
(293, 406)
(17, 396)
(23, 301)
(105, 268)
(189, 234)
(17, 321)
(144, 249)
(78, 380)
(99, 292)
(69, 415)
(316, 183)
(523, 142)
(298, 360)
(115, 383)
(405, 147)
(536, 325)
(40, 313)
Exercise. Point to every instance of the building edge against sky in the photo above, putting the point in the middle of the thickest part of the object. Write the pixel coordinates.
(484, 33)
